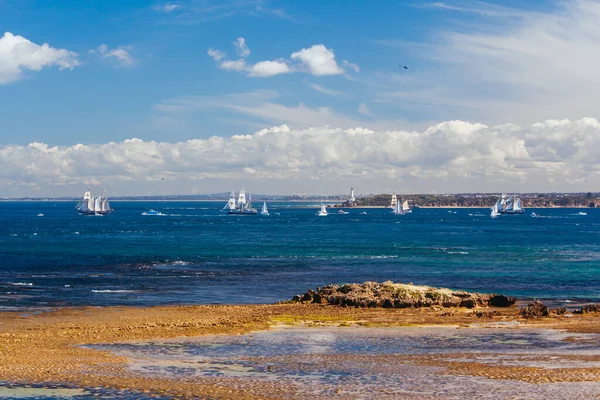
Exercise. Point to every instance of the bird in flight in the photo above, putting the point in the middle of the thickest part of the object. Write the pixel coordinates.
(403, 66)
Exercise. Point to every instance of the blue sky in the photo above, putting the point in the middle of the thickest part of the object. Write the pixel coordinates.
(158, 71)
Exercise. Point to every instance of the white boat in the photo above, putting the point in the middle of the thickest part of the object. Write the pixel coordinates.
(40, 215)
(152, 212)
(265, 210)
(363, 213)
(495, 213)
(581, 213)
(534, 215)
(398, 208)
(509, 205)
(343, 212)
(242, 207)
(323, 211)
(93, 205)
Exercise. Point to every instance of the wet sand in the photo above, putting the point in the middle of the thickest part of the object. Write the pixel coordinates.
(48, 348)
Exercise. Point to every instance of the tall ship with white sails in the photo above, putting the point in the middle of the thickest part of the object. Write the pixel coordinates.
(93, 205)
(509, 204)
(241, 206)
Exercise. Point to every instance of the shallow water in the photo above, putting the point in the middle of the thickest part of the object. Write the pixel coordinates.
(349, 362)
(196, 254)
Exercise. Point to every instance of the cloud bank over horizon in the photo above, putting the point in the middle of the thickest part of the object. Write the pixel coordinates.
(452, 156)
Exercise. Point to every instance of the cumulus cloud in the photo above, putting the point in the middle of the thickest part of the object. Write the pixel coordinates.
(18, 54)
(269, 68)
(550, 155)
(121, 54)
(319, 60)
(241, 48)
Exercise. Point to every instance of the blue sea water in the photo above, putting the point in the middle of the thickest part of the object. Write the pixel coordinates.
(196, 254)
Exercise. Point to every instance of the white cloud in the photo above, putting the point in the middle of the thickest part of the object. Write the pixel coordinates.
(269, 68)
(18, 54)
(217, 55)
(121, 54)
(322, 89)
(167, 8)
(319, 60)
(241, 48)
(458, 155)
(230, 65)
(364, 109)
(351, 66)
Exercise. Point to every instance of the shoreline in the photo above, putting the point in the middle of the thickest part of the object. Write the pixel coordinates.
(47, 348)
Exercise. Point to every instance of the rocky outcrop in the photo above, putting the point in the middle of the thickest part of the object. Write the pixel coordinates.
(538, 309)
(396, 295)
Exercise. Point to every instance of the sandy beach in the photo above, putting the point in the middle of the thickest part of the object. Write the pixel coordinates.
(48, 348)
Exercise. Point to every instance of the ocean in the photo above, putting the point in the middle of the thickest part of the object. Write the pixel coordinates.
(195, 254)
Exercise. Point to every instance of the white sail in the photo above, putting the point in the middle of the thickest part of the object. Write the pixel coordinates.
(105, 205)
(231, 203)
(394, 201)
(90, 204)
(517, 205)
(242, 198)
(398, 209)
(323, 211)
(87, 195)
(98, 204)
(405, 206)
(264, 210)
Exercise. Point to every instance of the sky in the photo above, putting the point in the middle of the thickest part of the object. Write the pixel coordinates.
(280, 97)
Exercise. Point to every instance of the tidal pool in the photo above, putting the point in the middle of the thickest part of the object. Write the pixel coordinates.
(358, 362)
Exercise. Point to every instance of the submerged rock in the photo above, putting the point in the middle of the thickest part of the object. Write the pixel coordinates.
(397, 295)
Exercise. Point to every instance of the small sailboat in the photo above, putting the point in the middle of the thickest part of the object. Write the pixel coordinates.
(265, 210)
(343, 212)
(323, 211)
(495, 212)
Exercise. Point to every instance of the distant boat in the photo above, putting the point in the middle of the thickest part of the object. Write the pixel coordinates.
(398, 208)
(40, 215)
(93, 205)
(495, 213)
(323, 211)
(509, 205)
(343, 212)
(581, 213)
(265, 210)
(534, 215)
(363, 213)
(242, 207)
(152, 212)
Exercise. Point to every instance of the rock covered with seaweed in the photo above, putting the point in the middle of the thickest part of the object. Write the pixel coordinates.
(396, 295)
